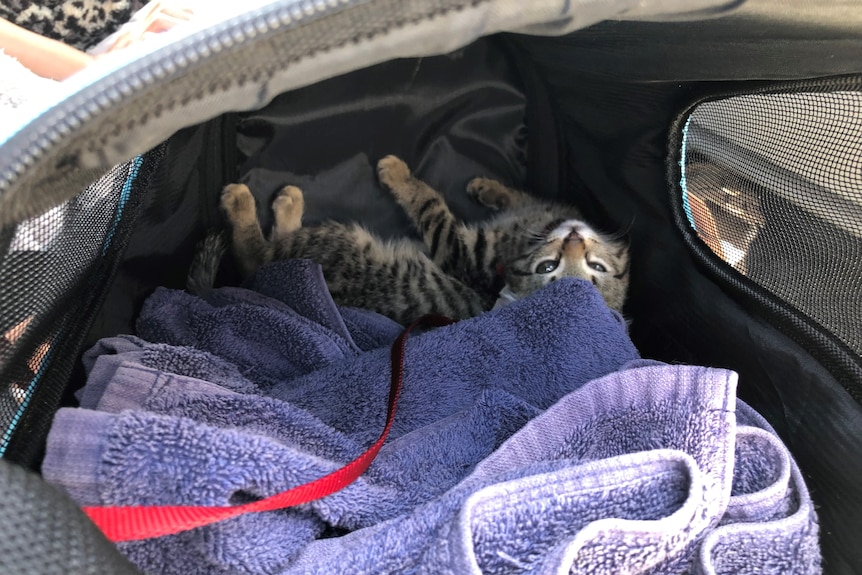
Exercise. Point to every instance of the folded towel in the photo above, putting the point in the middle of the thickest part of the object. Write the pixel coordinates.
(430, 461)
(102, 360)
(646, 470)
(349, 396)
(368, 329)
(770, 525)
(632, 473)
(538, 351)
(310, 298)
(267, 339)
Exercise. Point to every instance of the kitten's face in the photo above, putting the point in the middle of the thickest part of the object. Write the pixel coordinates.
(572, 248)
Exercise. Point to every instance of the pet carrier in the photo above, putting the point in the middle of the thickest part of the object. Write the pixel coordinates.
(722, 137)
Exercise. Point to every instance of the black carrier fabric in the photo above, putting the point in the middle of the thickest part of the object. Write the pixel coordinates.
(753, 279)
(43, 532)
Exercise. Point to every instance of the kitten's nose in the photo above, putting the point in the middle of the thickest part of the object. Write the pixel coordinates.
(574, 236)
(574, 246)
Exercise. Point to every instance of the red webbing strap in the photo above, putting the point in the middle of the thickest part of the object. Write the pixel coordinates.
(131, 523)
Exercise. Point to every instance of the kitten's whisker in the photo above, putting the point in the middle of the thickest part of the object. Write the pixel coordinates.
(623, 233)
(530, 233)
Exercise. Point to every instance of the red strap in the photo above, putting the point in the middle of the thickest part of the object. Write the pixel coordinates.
(131, 523)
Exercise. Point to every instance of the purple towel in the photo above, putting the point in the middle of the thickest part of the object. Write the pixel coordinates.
(102, 360)
(646, 470)
(268, 339)
(538, 352)
(636, 472)
(310, 298)
(448, 420)
(441, 458)
(770, 525)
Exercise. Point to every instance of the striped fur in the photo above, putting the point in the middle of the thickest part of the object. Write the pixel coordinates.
(526, 238)
(393, 278)
(205, 264)
(457, 272)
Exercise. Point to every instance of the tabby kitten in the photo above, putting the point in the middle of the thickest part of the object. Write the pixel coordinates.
(460, 270)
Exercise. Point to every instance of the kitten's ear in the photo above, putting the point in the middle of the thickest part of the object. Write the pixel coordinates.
(623, 237)
(621, 251)
(623, 242)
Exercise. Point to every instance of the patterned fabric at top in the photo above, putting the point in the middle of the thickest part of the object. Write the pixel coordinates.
(79, 23)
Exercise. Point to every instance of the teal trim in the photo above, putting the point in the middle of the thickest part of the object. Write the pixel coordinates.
(7, 435)
(683, 185)
(125, 194)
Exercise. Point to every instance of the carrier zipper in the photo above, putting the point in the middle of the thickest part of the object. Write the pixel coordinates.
(171, 61)
(183, 56)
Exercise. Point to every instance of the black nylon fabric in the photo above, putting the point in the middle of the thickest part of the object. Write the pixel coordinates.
(450, 118)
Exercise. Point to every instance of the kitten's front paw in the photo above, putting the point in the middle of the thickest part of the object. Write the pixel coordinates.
(488, 192)
(392, 171)
(238, 203)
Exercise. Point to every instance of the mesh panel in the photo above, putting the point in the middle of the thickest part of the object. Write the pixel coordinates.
(773, 185)
(54, 270)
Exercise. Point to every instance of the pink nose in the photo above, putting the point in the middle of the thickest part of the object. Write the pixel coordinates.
(574, 246)
(574, 236)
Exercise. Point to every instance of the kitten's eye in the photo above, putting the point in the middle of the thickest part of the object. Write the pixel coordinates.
(547, 266)
(597, 266)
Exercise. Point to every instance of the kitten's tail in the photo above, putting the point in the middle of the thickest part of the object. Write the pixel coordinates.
(208, 255)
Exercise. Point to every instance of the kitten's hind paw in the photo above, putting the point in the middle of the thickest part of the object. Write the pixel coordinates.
(289, 197)
(288, 206)
(238, 204)
(392, 171)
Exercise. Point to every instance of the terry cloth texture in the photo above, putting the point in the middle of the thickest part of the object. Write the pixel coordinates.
(529, 439)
